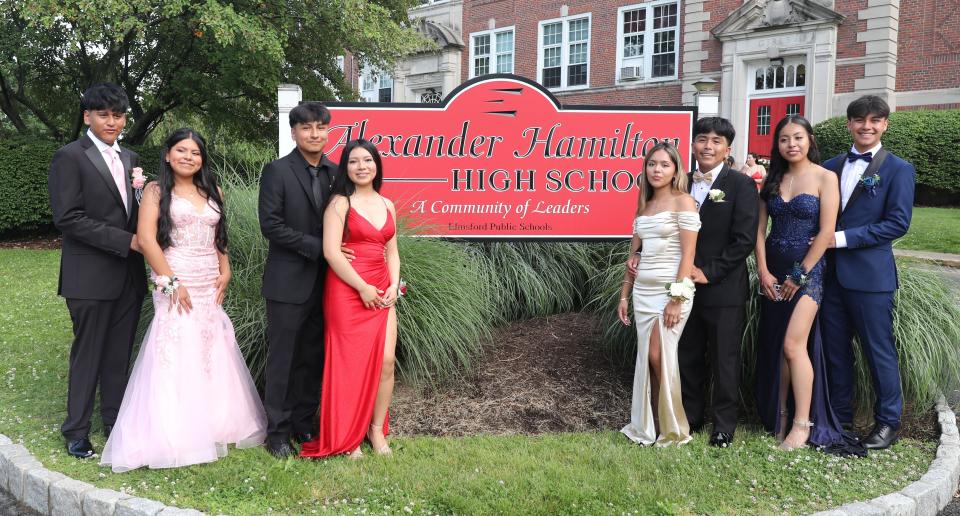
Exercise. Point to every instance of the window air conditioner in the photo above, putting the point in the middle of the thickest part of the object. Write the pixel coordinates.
(631, 73)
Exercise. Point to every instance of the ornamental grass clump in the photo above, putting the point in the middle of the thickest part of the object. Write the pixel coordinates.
(533, 279)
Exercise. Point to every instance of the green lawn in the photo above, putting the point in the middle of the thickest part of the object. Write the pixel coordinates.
(593, 473)
(933, 229)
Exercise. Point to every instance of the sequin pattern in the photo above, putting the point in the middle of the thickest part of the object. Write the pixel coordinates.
(795, 223)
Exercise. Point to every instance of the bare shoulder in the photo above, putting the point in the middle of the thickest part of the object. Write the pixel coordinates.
(390, 206)
(339, 204)
(826, 176)
(684, 202)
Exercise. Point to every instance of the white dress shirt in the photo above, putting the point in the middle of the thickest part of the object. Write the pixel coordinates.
(700, 190)
(852, 172)
(103, 146)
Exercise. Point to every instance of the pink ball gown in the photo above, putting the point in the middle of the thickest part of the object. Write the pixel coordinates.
(190, 393)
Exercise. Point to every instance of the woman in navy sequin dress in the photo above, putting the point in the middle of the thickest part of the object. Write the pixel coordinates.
(801, 199)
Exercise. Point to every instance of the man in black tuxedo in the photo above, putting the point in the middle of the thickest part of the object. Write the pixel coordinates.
(102, 274)
(293, 193)
(728, 207)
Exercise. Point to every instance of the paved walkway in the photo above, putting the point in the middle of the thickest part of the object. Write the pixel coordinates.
(950, 260)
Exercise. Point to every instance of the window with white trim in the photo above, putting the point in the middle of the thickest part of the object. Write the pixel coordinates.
(563, 59)
(648, 38)
(376, 86)
(491, 51)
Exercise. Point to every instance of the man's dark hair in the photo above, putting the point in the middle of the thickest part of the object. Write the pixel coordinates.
(105, 95)
(868, 105)
(309, 112)
(715, 124)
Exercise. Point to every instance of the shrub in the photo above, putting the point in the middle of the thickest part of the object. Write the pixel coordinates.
(923, 138)
(24, 202)
(925, 326)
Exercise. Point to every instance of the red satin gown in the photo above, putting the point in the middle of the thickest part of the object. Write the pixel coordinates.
(354, 340)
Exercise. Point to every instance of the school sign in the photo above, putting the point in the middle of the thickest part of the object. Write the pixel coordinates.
(501, 159)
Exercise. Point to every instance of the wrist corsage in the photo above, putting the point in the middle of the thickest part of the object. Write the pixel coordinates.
(401, 289)
(798, 276)
(681, 290)
(166, 285)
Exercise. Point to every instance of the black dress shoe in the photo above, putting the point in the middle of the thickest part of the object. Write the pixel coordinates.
(302, 437)
(80, 448)
(107, 430)
(281, 449)
(721, 439)
(881, 437)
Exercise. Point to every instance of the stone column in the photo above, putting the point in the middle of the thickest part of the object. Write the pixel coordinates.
(288, 97)
(880, 68)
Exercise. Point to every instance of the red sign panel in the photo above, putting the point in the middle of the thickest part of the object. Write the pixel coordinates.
(500, 159)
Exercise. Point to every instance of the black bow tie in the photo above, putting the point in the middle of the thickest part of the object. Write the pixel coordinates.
(853, 156)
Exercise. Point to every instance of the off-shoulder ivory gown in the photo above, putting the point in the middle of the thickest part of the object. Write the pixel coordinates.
(659, 261)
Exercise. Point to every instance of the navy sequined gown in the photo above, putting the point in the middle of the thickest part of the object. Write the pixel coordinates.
(794, 224)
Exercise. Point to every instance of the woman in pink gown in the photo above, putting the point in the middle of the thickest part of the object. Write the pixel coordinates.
(190, 393)
(358, 307)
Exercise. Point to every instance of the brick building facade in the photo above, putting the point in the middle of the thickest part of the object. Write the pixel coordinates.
(752, 61)
(762, 58)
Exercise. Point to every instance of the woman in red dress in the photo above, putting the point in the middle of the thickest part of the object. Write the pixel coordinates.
(359, 314)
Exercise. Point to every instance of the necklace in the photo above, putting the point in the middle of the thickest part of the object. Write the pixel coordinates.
(790, 186)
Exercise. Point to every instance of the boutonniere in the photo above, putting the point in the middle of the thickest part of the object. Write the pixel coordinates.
(716, 195)
(870, 184)
(137, 181)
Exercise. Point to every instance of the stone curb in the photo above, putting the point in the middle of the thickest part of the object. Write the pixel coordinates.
(51, 493)
(927, 496)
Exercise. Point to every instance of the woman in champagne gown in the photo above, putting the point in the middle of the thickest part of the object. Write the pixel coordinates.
(190, 393)
(801, 199)
(359, 313)
(664, 233)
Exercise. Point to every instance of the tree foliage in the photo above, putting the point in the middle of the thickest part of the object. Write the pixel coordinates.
(221, 58)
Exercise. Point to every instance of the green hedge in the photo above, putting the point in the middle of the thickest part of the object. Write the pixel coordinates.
(24, 163)
(928, 139)
(24, 203)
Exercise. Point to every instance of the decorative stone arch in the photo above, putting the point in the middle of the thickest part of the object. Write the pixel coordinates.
(801, 31)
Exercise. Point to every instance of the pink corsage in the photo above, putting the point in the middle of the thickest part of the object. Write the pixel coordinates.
(402, 289)
(137, 181)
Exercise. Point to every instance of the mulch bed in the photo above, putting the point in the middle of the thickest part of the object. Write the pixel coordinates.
(541, 375)
(36, 242)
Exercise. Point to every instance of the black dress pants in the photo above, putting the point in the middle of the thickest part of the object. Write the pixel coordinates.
(103, 340)
(710, 347)
(294, 368)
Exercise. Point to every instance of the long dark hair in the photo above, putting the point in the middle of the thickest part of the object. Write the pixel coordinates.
(779, 165)
(204, 180)
(342, 185)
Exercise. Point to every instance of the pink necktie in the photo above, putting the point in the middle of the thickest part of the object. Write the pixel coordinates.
(116, 169)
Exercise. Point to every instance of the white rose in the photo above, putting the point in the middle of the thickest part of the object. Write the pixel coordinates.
(716, 195)
(676, 290)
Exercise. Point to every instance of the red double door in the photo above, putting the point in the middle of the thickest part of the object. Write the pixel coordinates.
(765, 114)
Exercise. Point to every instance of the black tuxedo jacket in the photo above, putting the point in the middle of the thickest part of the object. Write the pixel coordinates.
(96, 260)
(727, 236)
(293, 225)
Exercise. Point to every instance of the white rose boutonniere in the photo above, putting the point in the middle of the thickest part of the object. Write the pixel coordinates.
(716, 195)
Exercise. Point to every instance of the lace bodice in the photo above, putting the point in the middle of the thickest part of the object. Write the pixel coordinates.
(193, 229)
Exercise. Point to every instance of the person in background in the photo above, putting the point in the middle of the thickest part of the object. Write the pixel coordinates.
(754, 170)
